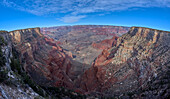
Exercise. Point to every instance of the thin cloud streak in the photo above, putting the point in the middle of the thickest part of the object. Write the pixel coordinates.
(72, 19)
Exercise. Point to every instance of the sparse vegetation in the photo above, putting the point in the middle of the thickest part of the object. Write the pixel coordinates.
(2, 41)
(3, 75)
(35, 35)
(3, 72)
(53, 92)
(63, 92)
(16, 67)
(130, 94)
(2, 58)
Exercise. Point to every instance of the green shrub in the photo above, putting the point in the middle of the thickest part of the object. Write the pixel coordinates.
(60, 92)
(2, 58)
(32, 84)
(15, 65)
(2, 41)
(3, 75)
(130, 94)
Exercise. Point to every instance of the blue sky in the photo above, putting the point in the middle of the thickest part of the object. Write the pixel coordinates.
(19, 14)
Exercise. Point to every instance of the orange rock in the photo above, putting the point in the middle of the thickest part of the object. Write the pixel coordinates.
(105, 44)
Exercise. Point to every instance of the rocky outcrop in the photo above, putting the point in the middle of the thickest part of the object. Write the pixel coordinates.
(46, 62)
(156, 88)
(137, 57)
(11, 84)
(105, 44)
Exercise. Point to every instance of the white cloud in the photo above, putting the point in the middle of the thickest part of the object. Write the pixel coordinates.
(75, 9)
(71, 19)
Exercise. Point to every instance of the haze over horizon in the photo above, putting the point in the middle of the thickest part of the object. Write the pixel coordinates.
(20, 14)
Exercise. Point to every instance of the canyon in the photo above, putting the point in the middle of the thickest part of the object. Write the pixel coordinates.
(95, 60)
(78, 39)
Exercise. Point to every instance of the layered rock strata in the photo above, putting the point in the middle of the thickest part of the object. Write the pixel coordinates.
(45, 61)
(135, 59)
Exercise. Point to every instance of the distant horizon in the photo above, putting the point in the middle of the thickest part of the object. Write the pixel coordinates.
(82, 25)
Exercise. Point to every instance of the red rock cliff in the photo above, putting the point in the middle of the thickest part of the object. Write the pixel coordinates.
(46, 62)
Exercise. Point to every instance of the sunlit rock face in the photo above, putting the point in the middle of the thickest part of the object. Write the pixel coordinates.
(136, 58)
(45, 61)
(85, 42)
(105, 44)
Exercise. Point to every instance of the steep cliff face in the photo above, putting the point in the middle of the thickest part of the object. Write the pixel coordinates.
(11, 85)
(137, 57)
(18, 70)
(46, 62)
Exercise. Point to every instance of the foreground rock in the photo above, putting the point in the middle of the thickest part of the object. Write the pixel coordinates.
(12, 85)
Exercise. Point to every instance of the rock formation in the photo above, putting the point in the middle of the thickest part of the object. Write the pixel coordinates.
(42, 58)
(35, 62)
(137, 57)
(11, 84)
